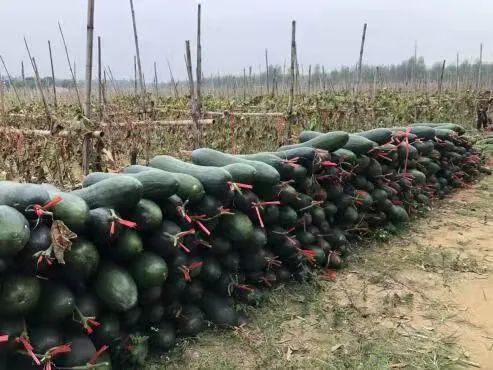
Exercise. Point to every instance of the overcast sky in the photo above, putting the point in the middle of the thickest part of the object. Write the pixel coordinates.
(236, 32)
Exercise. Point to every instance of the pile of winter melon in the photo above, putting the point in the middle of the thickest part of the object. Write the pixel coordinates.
(103, 275)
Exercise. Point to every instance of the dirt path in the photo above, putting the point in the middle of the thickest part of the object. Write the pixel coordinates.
(421, 300)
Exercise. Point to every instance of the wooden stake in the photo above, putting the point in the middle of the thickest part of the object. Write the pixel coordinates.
(195, 114)
(72, 71)
(199, 60)
(11, 82)
(89, 52)
(22, 71)
(360, 61)
(53, 76)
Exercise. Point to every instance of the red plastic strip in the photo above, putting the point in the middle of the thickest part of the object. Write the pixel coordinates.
(29, 349)
(98, 354)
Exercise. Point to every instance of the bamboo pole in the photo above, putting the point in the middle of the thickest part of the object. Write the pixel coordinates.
(297, 84)
(133, 150)
(478, 82)
(440, 82)
(100, 86)
(267, 70)
(40, 88)
(99, 133)
(2, 96)
(86, 141)
(175, 87)
(188, 122)
(324, 78)
(301, 76)
(199, 60)
(292, 68)
(415, 63)
(374, 86)
(46, 133)
(155, 82)
(222, 114)
(378, 75)
(103, 88)
(260, 84)
(53, 76)
(414, 87)
(144, 81)
(137, 51)
(11, 82)
(89, 54)
(250, 81)
(135, 76)
(360, 61)
(309, 78)
(195, 116)
(112, 79)
(244, 84)
(292, 82)
(72, 71)
(283, 83)
(457, 73)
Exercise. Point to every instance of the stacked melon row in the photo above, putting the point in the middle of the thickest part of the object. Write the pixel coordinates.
(133, 261)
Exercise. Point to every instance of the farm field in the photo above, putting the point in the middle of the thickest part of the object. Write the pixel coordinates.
(59, 159)
(264, 201)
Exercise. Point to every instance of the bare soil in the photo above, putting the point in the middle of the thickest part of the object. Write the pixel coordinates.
(419, 300)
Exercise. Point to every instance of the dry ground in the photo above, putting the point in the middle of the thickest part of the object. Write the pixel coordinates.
(420, 300)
